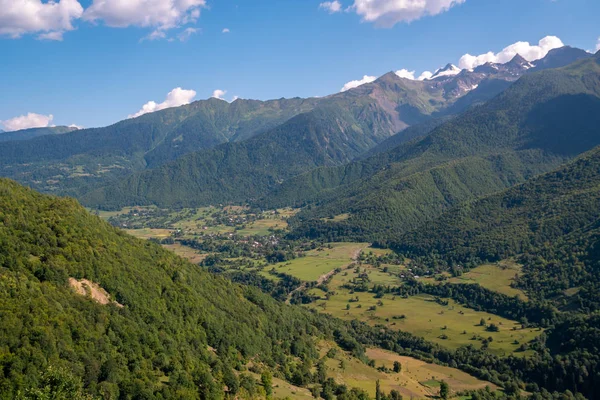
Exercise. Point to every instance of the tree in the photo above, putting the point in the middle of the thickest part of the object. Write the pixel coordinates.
(59, 384)
(397, 367)
(395, 395)
(231, 380)
(377, 390)
(444, 390)
(267, 380)
(248, 383)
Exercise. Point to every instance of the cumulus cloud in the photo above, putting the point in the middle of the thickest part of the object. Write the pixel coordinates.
(404, 73)
(75, 126)
(31, 120)
(175, 98)
(598, 45)
(331, 6)
(225, 30)
(357, 83)
(526, 50)
(219, 94)
(49, 20)
(425, 75)
(159, 14)
(387, 13)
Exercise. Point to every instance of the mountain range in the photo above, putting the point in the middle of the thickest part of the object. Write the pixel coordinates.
(79, 162)
(532, 127)
(539, 122)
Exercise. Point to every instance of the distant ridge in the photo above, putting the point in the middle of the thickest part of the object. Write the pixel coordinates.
(31, 133)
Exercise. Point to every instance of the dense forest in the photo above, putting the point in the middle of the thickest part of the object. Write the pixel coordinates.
(170, 329)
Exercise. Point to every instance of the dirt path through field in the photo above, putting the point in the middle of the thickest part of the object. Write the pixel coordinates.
(323, 277)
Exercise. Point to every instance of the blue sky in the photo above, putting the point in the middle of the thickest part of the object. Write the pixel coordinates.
(99, 74)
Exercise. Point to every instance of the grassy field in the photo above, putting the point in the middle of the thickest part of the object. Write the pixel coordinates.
(261, 227)
(417, 379)
(497, 277)
(186, 252)
(449, 325)
(284, 390)
(494, 277)
(319, 262)
(150, 233)
(194, 222)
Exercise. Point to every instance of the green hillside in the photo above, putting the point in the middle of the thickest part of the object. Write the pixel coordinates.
(165, 329)
(516, 220)
(75, 162)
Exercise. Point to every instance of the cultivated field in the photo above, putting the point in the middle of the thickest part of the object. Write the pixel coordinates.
(417, 379)
(319, 262)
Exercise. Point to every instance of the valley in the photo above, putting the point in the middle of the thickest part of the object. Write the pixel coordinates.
(351, 281)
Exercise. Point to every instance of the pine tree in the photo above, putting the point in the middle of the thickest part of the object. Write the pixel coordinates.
(444, 390)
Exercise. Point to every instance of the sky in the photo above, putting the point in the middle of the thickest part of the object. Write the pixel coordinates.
(91, 63)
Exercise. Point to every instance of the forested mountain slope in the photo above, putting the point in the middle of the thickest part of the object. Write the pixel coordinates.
(517, 219)
(71, 163)
(165, 330)
(236, 172)
(536, 124)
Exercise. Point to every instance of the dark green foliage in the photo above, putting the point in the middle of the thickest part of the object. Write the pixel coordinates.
(444, 390)
(266, 379)
(172, 310)
(516, 220)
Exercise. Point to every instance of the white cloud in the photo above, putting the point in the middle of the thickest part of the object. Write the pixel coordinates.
(219, 94)
(56, 35)
(404, 73)
(598, 45)
(235, 98)
(387, 13)
(175, 98)
(49, 19)
(527, 51)
(31, 120)
(425, 75)
(357, 83)
(159, 14)
(155, 35)
(331, 6)
(75, 126)
(186, 33)
(225, 30)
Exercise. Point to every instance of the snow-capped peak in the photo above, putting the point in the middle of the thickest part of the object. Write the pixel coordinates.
(448, 70)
